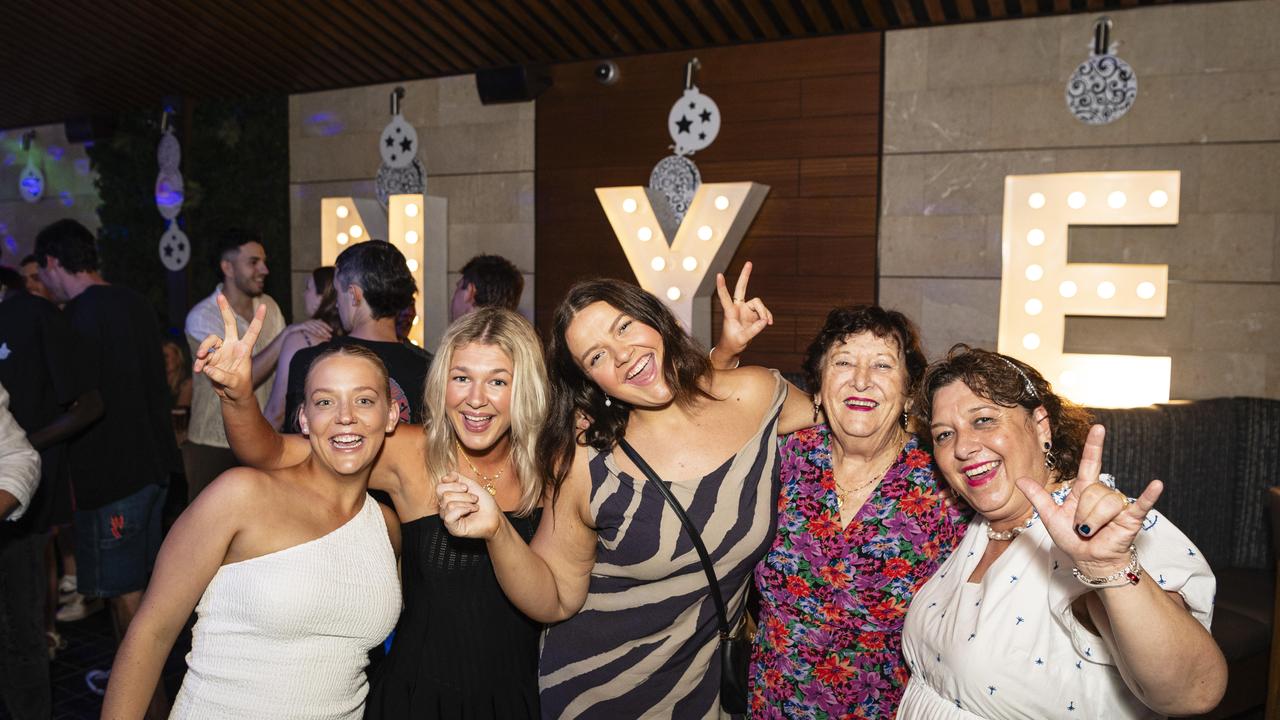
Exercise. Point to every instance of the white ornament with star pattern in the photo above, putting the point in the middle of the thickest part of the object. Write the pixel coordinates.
(401, 172)
(175, 248)
(694, 121)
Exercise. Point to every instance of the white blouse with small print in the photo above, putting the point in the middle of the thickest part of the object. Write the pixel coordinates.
(1010, 647)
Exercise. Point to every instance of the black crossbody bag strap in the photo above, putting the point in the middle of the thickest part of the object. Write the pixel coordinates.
(707, 567)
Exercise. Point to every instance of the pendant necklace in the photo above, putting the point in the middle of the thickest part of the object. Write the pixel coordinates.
(487, 481)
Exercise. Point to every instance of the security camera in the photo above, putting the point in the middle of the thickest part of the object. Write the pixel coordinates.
(606, 72)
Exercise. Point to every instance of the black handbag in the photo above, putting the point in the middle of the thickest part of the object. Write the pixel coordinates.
(735, 647)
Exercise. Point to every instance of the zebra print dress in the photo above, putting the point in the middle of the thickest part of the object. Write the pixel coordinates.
(645, 642)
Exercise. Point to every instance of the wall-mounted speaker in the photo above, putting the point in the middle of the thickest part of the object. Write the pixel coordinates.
(89, 129)
(518, 83)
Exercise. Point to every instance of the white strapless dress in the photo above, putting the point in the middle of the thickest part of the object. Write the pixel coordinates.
(286, 635)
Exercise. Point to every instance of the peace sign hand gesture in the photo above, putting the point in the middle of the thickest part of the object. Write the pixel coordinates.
(1095, 525)
(743, 319)
(228, 363)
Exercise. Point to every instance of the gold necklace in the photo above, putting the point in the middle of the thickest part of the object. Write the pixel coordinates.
(488, 481)
(842, 496)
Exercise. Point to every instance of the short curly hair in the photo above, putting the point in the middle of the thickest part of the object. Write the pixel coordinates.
(379, 269)
(846, 321)
(1009, 382)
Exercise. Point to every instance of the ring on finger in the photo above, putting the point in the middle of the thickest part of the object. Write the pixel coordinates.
(738, 300)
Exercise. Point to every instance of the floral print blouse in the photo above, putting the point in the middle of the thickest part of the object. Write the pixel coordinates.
(833, 599)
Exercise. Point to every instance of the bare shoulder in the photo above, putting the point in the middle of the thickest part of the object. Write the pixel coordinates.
(751, 385)
(239, 486)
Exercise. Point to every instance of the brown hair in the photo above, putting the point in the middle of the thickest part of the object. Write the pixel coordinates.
(684, 364)
(357, 351)
(1010, 383)
(849, 320)
(327, 310)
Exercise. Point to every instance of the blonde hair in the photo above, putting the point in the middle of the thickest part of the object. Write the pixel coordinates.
(512, 334)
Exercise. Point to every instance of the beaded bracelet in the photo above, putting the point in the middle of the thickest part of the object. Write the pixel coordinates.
(1128, 575)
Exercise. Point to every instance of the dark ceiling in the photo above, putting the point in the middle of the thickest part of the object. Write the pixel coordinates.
(83, 57)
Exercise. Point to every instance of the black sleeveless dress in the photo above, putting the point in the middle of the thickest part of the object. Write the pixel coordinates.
(461, 649)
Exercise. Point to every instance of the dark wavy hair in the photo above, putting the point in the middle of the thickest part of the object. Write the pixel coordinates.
(684, 364)
(379, 269)
(327, 310)
(228, 247)
(498, 282)
(849, 320)
(1004, 380)
(70, 242)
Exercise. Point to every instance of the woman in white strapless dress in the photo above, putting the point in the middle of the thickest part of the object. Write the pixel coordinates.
(294, 569)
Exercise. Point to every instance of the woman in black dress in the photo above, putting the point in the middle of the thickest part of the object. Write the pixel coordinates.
(460, 648)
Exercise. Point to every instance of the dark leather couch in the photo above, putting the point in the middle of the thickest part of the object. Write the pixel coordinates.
(1217, 459)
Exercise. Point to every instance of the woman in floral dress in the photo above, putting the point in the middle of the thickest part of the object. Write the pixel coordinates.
(861, 527)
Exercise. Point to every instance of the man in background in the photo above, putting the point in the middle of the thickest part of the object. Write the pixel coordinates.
(487, 281)
(30, 270)
(373, 285)
(241, 261)
(120, 464)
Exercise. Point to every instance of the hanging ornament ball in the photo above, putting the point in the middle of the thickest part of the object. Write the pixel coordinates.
(677, 178)
(175, 249)
(169, 194)
(694, 121)
(409, 180)
(169, 153)
(1102, 89)
(31, 183)
(398, 143)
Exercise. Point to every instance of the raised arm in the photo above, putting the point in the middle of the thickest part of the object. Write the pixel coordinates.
(19, 464)
(227, 362)
(192, 553)
(1167, 658)
(743, 320)
(548, 578)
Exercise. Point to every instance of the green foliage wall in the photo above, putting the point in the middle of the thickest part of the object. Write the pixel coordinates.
(235, 165)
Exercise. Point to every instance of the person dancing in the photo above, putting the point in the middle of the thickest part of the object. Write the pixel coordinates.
(291, 571)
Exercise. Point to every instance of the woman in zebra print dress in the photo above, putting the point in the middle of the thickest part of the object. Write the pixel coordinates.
(611, 565)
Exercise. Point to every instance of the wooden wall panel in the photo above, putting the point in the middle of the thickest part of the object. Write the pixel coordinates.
(801, 116)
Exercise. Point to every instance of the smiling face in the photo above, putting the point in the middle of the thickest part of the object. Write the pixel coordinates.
(478, 396)
(982, 448)
(247, 269)
(620, 354)
(346, 412)
(864, 385)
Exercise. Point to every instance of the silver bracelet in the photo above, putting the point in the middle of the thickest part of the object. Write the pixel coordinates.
(713, 362)
(1128, 575)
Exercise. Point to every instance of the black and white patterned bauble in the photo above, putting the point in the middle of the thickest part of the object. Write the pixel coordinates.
(1102, 89)
(694, 121)
(398, 144)
(677, 178)
(410, 180)
(175, 248)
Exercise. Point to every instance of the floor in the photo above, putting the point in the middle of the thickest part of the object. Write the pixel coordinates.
(91, 646)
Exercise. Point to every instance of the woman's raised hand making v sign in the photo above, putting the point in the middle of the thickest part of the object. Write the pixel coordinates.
(228, 361)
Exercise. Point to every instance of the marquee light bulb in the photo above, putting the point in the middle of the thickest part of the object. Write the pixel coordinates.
(1031, 341)
(673, 293)
(1146, 290)
(1076, 200)
(1033, 306)
(413, 265)
(1036, 200)
(1158, 199)
(690, 263)
(1117, 200)
(705, 232)
(343, 239)
(629, 205)
(658, 264)
(1034, 272)
(411, 210)
(1035, 237)
(722, 202)
(1067, 289)
(342, 211)
(411, 237)
(1106, 290)
(644, 234)
(356, 231)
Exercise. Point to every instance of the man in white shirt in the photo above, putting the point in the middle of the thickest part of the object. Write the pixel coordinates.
(242, 262)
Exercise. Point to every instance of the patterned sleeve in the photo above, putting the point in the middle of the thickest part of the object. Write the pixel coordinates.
(1168, 558)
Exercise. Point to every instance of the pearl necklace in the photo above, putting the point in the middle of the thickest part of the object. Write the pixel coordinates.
(488, 482)
(1012, 532)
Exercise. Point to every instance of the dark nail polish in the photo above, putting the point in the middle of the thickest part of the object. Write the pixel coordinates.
(1084, 530)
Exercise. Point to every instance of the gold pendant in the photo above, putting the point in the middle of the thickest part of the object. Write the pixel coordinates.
(493, 491)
